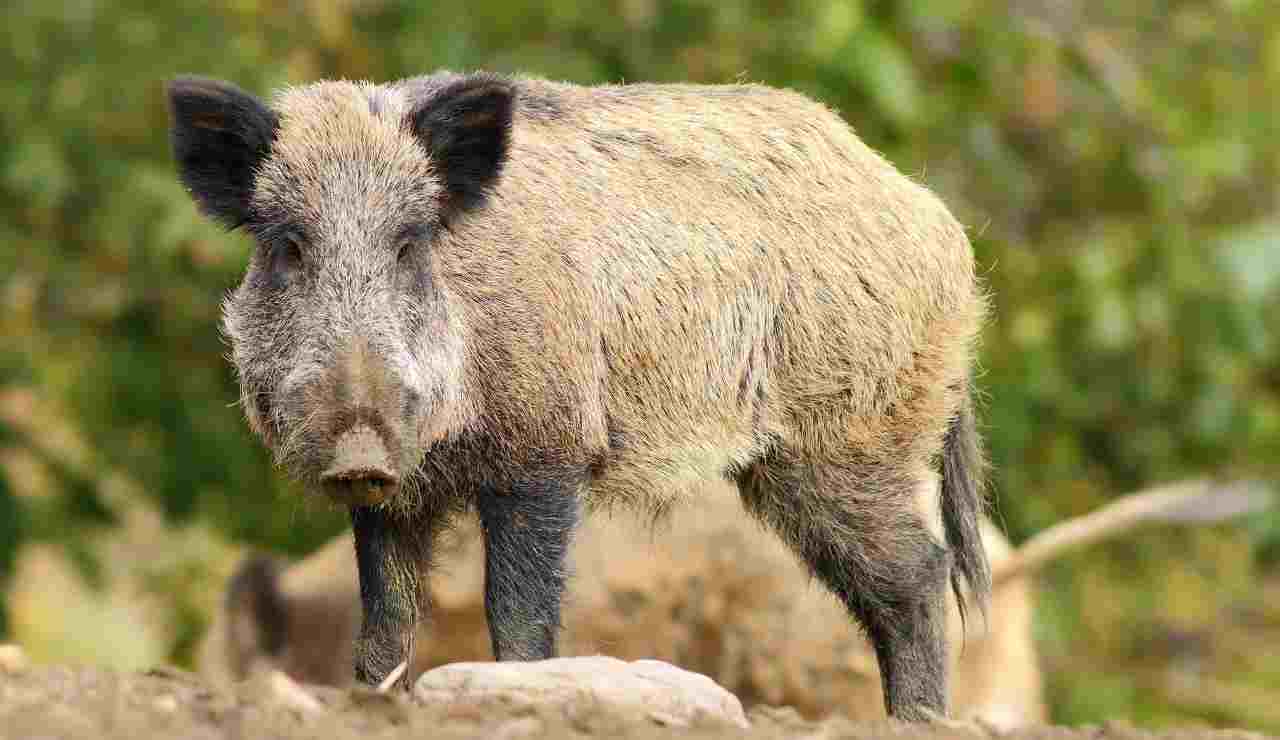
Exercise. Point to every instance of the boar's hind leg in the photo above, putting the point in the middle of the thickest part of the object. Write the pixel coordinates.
(857, 528)
(390, 556)
(527, 529)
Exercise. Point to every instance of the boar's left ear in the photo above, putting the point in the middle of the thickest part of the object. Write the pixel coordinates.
(466, 128)
(220, 136)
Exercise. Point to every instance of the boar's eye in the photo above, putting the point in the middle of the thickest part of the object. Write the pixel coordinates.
(405, 249)
(286, 256)
(408, 241)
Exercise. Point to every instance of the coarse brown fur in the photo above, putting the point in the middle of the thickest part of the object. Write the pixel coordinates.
(537, 293)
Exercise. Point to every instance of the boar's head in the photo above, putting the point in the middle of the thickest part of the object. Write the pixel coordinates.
(349, 357)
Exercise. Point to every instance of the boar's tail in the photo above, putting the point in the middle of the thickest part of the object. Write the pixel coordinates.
(963, 468)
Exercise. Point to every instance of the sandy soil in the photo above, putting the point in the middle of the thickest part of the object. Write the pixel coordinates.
(65, 702)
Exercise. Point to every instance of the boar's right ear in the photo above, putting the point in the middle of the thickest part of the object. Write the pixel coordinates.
(220, 135)
(466, 128)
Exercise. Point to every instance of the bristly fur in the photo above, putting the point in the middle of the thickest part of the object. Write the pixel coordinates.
(618, 293)
(963, 474)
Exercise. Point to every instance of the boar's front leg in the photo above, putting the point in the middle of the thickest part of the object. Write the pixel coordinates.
(527, 529)
(390, 555)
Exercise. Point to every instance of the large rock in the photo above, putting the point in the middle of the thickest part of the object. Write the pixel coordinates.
(661, 691)
(708, 590)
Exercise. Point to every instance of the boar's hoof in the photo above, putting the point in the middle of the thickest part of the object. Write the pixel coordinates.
(361, 473)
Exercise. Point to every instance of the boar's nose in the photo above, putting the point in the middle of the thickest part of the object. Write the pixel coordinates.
(361, 473)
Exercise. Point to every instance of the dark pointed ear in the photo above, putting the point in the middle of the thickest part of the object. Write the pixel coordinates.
(220, 135)
(466, 128)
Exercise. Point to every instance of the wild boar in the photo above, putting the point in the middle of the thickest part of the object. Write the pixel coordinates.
(517, 297)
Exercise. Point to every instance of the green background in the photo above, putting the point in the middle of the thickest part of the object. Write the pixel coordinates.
(1117, 170)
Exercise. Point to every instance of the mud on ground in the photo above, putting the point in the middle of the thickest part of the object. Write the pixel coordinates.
(65, 702)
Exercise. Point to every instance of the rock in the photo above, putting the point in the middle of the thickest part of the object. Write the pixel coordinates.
(518, 728)
(666, 693)
(13, 660)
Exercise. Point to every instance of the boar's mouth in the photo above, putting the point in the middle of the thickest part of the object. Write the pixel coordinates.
(361, 472)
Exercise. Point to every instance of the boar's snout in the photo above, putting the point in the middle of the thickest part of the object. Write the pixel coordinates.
(361, 473)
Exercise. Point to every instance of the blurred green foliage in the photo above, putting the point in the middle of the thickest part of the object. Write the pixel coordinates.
(1117, 167)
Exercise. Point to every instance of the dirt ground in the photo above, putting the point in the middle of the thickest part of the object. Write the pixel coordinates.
(65, 702)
